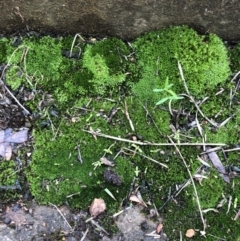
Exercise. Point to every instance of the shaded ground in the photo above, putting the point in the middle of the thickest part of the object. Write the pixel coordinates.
(42, 223)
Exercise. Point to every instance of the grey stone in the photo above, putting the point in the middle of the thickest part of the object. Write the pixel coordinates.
(122, 18)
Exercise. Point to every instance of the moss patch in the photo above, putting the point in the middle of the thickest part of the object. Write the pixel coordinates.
(96, 90)
(8, 181)
(204, 61)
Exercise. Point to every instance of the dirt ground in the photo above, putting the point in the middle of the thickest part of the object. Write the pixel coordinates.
(45, 223)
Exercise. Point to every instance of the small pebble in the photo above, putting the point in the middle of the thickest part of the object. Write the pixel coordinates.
(7, 220)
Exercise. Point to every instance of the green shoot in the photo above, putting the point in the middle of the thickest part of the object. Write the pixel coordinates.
(169, 94)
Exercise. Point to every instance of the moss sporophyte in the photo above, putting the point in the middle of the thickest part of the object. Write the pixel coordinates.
(110, 74)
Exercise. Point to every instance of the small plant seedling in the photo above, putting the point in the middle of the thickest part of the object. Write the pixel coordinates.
(97, 164)
(137, 171)
(169, 94)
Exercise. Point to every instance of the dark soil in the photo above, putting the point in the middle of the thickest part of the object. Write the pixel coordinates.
(48, 223)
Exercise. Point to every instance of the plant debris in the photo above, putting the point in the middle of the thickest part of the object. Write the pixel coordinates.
(112, 177)
(7, 138)
(190, 233)
(97, 207)
(218, 165)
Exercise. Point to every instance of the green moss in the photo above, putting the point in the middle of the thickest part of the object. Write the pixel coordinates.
(8, 177)
(38, 59)
(204, 61)
(3, 50)
(104, 70)
(107, 63)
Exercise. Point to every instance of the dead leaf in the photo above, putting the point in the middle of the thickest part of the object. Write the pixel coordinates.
(159, 228)
(98, 206)
(7, 138)
(134, 198)
(17, 137)
(190, 233)
(107, 162)
(218, 165)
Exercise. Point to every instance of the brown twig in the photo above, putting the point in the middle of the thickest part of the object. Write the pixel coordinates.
(194, 187)
(94, 133)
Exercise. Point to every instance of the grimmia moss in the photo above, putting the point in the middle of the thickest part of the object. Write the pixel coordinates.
(92, 90)
(204, 61)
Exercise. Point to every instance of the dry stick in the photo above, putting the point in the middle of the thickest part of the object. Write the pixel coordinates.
(191, 98)
(128, 117)
(233, 149)
(198, 108)
(9, 92)
(74, 40)
(150, 143)
(149, 158)
(236, 88)
(194, 187)
(84, 235)
(6, 88)
(62, 216)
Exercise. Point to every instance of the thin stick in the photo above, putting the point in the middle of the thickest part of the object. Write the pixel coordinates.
(194, 187)
(9, 92)
(74, 40)
(128, 117)
(233, 149)
(150, 143)
(236, 88)
(99, 227)
(191, 98)
(84, 235)
(149, 158)
(62, 215)
(6, 88)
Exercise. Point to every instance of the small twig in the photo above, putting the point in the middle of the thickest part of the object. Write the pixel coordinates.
(149, 158)
(200, 111)
(9, 92)
(84, 235)
(211, 150)
(150, 143)
(191, 98)
(233, 149)
(236, 88)
(128, 117)
(180, 233)
(62, 216)
(194, 187)
(218, 238)
(183, 79)
(229, 204)
(6, 88)
(74, 40)
(99, 227)
(79, 154)
(55, 135)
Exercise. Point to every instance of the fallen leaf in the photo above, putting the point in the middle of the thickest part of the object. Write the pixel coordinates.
(7, 138)
(17, 137)
(218, 165)
(159, 228)
(98, 206)
(190, 233)
(134, 198)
